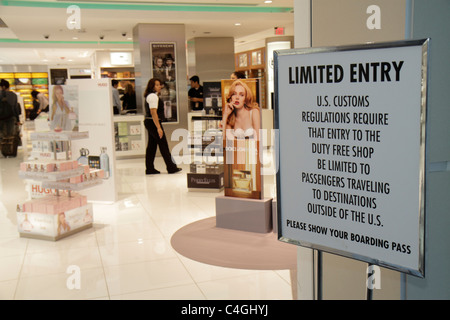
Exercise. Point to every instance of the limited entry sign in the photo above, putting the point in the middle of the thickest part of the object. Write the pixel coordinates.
(351, 124)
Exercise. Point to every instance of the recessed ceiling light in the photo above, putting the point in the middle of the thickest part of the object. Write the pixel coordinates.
(268, 1)
(237, 24)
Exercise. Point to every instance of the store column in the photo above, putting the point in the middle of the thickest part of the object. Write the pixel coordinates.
(162, 41)
(305, 256)
(432, 22)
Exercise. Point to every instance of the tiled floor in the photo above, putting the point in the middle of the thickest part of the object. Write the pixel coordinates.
(127, 254)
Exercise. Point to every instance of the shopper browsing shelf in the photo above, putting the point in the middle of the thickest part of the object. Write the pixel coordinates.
(41, 99)
(36, 106)
(116, 96)
(129, 99)
(154, 115)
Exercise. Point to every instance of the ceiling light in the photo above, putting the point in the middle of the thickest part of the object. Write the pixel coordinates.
(75, 38)
(237, 24)
(268, 1)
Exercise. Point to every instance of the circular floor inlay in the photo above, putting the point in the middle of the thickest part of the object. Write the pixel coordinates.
(202, 241)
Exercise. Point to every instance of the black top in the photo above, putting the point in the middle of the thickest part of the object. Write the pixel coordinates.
(159, 111)
(129, 101)
(196, 93)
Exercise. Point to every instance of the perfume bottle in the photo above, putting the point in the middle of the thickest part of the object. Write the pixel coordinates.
(168, 109)
(72, 114)
(104, 162)
(26, 224)
(82, 159)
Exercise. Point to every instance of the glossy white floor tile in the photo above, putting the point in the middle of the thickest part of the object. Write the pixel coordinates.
(127, 253)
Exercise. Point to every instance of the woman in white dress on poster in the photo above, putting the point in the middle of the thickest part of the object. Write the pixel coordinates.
(59, 118)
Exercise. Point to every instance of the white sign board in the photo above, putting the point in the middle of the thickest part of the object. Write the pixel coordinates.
(351, 124)
(96, 117)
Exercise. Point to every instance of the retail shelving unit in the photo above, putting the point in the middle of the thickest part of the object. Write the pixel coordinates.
(25, 82)
(205, 141)
(129, 133)
(64, 211)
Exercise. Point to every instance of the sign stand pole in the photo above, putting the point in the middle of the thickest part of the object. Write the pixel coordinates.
(319, 275)
(369, 291)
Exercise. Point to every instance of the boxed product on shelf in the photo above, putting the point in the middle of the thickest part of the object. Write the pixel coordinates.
(48, 166)
(135, 129)
(59, 150)
(137, 144)
(206, 168)
(53, 204)
(205, 181)
(88, 176)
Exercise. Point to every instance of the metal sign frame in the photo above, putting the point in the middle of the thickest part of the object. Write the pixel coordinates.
(285, 108)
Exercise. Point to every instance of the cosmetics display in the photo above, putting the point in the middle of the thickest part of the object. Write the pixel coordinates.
(57, 210)
(205, 142)
(129, 135)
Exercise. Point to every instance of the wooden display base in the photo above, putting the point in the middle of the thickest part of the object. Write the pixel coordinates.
(244, 214)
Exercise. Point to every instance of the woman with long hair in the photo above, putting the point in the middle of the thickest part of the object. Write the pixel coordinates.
(59, 117)
(241, 116)
(241, 124)
(154, 115)
(129, 99)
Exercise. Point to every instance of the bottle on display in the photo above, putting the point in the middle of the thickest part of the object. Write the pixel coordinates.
(168, 109)
(26, 224)
(104, 162)
(82, 159)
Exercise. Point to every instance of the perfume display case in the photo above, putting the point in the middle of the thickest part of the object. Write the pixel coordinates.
(205, 143)
(56, 209)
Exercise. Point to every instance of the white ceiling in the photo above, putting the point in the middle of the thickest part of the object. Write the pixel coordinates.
(23, 40)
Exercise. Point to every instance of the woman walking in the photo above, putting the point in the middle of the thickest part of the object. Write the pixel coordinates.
(154, 114)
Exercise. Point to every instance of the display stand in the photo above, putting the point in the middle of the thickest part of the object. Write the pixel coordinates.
(244, 214)
(64, 212)
(206, 169)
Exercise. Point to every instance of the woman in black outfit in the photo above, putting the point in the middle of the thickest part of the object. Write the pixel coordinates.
(129, 99)
(154, 114)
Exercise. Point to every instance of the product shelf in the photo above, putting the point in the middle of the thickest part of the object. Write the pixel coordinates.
(57, 216)
(51, 176)
(71, 186)
(59, 136)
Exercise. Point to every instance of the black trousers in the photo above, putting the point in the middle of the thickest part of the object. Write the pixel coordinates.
(153, 142)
